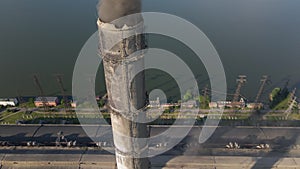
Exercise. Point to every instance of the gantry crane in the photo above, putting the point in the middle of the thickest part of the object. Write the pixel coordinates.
(241, 80)
(44, 100)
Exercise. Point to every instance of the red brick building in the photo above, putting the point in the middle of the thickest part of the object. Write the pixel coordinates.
(49, 101)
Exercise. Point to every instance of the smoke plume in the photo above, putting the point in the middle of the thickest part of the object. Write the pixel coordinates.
(110, 10)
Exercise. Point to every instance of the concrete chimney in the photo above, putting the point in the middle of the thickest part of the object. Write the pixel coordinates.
(126, 97)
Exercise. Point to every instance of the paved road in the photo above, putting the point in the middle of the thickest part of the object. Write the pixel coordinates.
(211, 154)
(47, 134)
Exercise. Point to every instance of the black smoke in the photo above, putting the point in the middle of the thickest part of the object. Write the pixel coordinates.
(110, 10)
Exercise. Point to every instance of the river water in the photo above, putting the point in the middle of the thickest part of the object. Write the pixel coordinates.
(252, 37)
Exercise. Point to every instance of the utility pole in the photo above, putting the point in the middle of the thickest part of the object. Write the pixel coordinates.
(37, 83)
(63, 91)
(264, 80)
(241, 80)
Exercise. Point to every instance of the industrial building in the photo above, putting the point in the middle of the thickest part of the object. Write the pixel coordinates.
(46, 101)
(73, 104)
(154, 103)
(228, 104)
(190, 104)
(8, 102)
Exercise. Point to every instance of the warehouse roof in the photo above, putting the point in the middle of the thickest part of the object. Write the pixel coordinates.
(48, 99)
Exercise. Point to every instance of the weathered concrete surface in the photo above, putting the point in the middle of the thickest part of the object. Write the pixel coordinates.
(87, 161)
(98, 161)
(39, 167)
(40, 161)
(220, 162)
(126, 91)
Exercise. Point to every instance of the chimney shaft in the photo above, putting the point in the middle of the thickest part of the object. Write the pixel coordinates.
(126, 96)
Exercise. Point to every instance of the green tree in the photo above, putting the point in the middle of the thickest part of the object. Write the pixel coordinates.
(30, 100)
(167, 110)
(30, 103)
(204, 102)
(188, 95)
(277, 96)
(101, 103)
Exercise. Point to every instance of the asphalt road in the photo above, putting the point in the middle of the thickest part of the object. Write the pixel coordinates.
(188, 154)
(280, 137)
